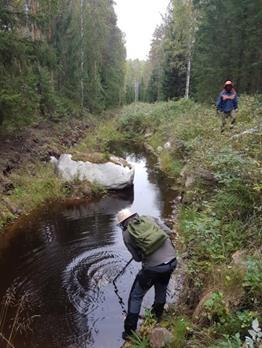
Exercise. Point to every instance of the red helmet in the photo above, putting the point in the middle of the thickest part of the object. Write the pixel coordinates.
(228, 83)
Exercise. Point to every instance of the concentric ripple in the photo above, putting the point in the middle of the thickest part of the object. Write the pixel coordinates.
(87, 275)
(61, 261)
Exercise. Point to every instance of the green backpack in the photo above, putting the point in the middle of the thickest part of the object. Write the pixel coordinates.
(147, 235)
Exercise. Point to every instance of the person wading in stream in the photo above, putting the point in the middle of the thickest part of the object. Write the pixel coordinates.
(227, 105)
(148, 241)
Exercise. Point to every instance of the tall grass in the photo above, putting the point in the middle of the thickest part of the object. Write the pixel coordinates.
(219, 217)
(32, 187)
(14, 317)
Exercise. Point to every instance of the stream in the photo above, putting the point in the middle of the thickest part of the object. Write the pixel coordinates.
(57, 267)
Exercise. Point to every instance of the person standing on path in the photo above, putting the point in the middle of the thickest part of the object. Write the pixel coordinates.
(147, 239)
(227, 104)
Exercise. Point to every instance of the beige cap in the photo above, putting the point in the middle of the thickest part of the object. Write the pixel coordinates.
(122, 215)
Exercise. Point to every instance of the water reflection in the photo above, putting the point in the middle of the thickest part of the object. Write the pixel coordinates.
(65, 258)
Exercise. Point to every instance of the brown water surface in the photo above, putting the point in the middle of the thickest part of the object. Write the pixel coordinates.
(57, 267)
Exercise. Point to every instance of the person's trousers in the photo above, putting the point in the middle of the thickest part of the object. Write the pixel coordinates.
(158, 277)
(225, 115)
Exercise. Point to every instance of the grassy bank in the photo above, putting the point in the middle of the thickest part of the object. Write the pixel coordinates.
(32, 181)
(218, 228)
(219, 222)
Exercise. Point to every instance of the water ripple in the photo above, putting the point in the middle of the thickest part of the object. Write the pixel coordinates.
(87, 274)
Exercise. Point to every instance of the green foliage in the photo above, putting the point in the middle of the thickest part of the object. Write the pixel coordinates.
(253, 279)
(215, 306)
(229, 342)
(149, 318)
(48, 61)
(133, 122)
(180, 329)
(29, 193)
(136, 119)
(135, 83)
(253, 340)
(219, 39)
(97, 189)
(33, 187)
(171, 51)
(227, 45)
(103, 137)
(139, 342)
(169, 164)
(211, 240)
(239, 322)
(38, 183)
(219, 217)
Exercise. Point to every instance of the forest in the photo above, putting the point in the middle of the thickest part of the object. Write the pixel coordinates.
(198, 46)
(56, 61)
(68, 90)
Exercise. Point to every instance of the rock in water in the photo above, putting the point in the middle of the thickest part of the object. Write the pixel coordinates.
(114, 174)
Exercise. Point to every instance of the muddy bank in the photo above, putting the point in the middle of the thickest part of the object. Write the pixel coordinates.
(24, 155)
(36, 143)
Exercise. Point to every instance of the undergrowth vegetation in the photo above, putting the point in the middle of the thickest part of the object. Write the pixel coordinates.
(219, 222)
(218, 228)
(36, 182)
(32, 187)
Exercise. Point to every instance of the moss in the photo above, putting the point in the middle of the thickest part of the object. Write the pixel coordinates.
(94, 157)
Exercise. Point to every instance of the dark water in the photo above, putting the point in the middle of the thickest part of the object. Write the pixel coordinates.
(57, 267)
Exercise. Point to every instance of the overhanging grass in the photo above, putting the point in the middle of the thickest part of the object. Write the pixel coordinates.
(33, 187)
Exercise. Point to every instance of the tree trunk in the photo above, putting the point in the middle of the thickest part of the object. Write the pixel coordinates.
(136, 91)
(191, 41)
(188, 77)
(50, 22)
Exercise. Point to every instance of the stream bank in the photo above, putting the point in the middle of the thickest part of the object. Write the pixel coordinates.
(218, 225)
(57, 266)
(27, 180)
(219, 219)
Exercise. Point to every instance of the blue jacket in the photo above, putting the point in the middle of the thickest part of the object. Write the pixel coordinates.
(227, 101)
